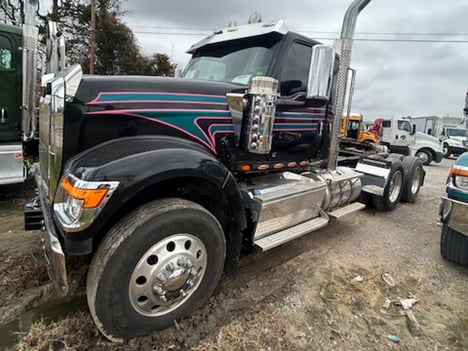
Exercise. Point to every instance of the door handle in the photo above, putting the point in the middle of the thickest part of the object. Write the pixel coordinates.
(3, 115)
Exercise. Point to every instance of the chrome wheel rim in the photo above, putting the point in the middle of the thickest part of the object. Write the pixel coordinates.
(445, 149)
(395, 186)
(167, 274)
(416, 180)
(423, 156)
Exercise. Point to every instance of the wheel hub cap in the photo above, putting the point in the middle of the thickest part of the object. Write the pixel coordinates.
(167, 274)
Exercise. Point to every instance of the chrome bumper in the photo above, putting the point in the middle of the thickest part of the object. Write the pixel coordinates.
(52, 249)
(455, 213)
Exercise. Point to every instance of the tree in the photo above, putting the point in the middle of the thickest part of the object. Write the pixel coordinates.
(117, 51)
(160, 65)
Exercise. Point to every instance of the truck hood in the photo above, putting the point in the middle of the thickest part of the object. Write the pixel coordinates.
(461, 140)
(423, 139)
(92, 87)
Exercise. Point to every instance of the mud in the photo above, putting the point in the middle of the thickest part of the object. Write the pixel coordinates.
(335, 289)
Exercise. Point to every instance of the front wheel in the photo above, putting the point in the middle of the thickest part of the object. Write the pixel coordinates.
(425, 156)
(446, 150)
(154, 267)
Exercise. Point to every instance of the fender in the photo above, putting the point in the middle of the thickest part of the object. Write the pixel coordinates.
(139, 164)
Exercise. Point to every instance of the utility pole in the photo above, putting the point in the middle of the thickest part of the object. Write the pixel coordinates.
(92, 51)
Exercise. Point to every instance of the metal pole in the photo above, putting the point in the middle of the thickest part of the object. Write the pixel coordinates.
(93, 37)
(338, 95)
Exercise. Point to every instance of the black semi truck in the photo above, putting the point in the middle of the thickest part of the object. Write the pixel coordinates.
(164, 180)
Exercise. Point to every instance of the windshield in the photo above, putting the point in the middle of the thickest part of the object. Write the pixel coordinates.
(457, 132)
(236, 67)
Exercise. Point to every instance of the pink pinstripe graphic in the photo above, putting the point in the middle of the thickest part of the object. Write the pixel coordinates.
(127, 113)
(210, 136)
(96, 102)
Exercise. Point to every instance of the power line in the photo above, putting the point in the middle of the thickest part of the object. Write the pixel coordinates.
(325, 38)
(311, 31)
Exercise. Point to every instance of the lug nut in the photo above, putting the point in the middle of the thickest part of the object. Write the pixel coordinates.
(170, 267)
(158, 290)
(162, 277)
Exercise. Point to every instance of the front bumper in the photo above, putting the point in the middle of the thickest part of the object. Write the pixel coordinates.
(51, 246)
(457, 150)
(455, 214)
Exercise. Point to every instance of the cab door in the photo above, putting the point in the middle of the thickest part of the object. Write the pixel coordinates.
(10, 86)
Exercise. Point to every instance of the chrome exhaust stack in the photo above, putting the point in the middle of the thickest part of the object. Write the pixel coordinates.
(338, 95)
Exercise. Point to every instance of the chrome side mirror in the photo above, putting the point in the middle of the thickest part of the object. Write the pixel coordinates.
(320, 75)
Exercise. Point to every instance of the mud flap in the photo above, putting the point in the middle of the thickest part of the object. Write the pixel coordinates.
(375, 174)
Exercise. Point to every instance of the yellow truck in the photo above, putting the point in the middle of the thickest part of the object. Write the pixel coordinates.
(352, 127)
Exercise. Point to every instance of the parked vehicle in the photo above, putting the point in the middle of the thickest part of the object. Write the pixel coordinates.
(164, 180)
(353, 128)
(18, 136)
(400, 136)
(451, 132)
(454, 213)
(19, 90)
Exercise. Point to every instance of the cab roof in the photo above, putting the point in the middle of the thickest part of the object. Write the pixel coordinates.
(239, 32)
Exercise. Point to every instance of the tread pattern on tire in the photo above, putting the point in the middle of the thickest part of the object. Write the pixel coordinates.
(115, 238)
(409, 163)
(381, 202)
(454, 245)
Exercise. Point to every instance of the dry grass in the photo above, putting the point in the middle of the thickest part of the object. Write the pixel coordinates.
(261, 332)
(22, 272)
(73, 333)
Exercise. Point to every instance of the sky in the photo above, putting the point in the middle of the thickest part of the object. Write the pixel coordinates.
(394, 78)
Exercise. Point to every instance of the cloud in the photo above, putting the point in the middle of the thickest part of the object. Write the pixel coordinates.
(393, 78)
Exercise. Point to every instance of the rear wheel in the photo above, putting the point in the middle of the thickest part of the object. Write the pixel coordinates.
(454, 245)
(413, 175)
(154, 267)
(392, 191)
(425, 156)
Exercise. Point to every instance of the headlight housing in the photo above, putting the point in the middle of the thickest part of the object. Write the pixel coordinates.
(459, 176)
(78, 202)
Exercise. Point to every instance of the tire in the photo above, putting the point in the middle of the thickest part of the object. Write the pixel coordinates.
(446, 150)
(453, 245)
(425, 156)
(154, 267)
(392, 191)
(413, 176)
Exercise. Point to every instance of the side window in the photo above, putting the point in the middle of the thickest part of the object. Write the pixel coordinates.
(296, 69)
(6, 57)
(386, 124)
(404, 125)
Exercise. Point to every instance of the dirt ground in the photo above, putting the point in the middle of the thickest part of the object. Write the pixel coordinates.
(339, 288)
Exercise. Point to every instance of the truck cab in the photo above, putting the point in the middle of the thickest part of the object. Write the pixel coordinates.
(454, 140)
(453, 213)
(18, 114)
(12, 169)
(353, 128)
(400, 135)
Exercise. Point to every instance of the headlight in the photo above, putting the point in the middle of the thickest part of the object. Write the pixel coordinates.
(73, 207)
(460, 182)
(78, 202)
(459, 175)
